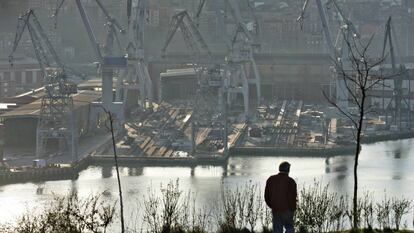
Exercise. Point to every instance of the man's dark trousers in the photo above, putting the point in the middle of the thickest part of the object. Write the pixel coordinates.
(283, 219)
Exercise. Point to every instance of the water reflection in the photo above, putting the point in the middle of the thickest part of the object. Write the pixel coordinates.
(106, 171)
(382, 165)
(339, 165)
(39, 190)
(192, 171)
(135, 171)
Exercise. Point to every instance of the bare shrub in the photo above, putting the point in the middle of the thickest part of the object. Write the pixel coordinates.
(338, 212)
(254, 205)
(315, 209)
(203, 220)
(68, 214)
(227, 214)
(170, 205)
(242, 209)
(174, 212)
(400, 207)
(367, 211)
(266, 219)
(383, 211)
(151, 216)
(193, 219)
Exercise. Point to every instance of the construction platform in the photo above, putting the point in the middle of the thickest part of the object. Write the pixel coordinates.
(163, 135)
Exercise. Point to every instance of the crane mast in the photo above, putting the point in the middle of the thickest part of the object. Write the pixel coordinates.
(338, 51)
(88, 27)
(242, 47)
(136, 77)
(398, 72)
(107, 63)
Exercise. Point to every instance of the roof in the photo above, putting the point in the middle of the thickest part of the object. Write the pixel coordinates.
(82, 98)
(26, 98)
(19, 62)
(178, 73)
(36, 93)
(6, 106)
(94, 83)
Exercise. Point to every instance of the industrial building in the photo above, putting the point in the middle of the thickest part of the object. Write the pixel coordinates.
(177, 84)
(20, 124)
(228, 55)
(24, 75)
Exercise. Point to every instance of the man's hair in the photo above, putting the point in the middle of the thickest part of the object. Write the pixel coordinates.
(284, 167)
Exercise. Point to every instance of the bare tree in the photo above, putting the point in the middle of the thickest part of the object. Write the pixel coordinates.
(121, 203)
(360, 77)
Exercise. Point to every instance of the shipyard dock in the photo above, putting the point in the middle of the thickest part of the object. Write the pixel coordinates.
(162, 136)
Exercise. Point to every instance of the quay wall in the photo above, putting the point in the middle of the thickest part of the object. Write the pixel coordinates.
(72, 172)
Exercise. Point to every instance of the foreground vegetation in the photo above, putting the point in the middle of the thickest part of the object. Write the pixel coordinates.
(240, 210)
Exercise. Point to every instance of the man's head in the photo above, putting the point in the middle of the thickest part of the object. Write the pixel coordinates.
(284, 167)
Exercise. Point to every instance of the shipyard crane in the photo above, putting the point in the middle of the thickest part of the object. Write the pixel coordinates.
(242, 46)
(209, 75)
(202, 59)
(338, 50)
(398, 73)
(56, 120)
(201, 55)
(136, 77)
(107, 63)
(192, 37)
(40, 41)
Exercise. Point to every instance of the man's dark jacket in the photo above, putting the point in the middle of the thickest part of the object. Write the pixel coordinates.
(281, 193)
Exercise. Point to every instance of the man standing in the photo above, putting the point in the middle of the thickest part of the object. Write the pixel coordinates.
(280, 196)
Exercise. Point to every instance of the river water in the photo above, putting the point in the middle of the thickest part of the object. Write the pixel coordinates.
(384, 167)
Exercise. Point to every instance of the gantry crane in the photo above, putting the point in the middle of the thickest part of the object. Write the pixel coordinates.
(242, 46)
(56, 119)
(338, 50)
(209, 74)
(398, 74)
(136, 76)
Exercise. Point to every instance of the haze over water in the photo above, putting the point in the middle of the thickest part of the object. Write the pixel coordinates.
(383, 166)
